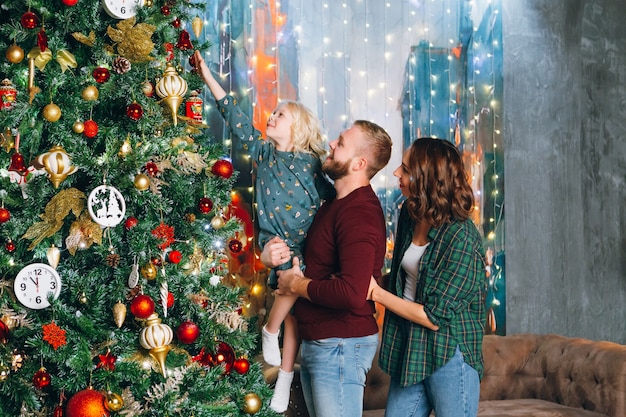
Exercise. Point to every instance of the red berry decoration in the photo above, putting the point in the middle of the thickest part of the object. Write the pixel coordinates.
(174, 256)
(152, 169)
(90, 128)
(69, 2)
(241, 366)
(142, 306)
(29, 20)
(187, 332)
(134, 111)
(130, 222)
(170, 300)
(10, 246)
(42, 379)
(235, 246)
(5, 215)
(224, 355)
(101, 75)
(4, 332)
(223, 168)
(205, 205)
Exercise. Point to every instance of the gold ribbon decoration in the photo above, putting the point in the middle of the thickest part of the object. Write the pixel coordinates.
(66, 59)
(41, 58)
(87, 40)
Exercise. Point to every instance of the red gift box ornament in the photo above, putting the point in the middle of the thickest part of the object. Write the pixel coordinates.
(8, 94)
(193, 107)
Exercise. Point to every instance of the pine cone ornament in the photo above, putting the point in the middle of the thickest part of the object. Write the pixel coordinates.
(113, 260)
(121, 65)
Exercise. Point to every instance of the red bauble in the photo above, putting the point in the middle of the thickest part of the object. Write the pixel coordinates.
(174, 256)
(29, 20)
(5, 215)
(101, 75)
(170, 300)
(165, 10)
(130, 222)
(224, 355)
(42, 379)
(4, 332)
(69, 2)
(187, 332)
(134, 111)
(10, 246)
(205, 205)
(235, 246)
(176, 23)
(241, 366)
(151, 168)
(86, 403)
(157, 261)
(223, 168)
(90, 128)
(142, 306)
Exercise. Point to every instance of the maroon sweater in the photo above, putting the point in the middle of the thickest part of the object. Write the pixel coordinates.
(347, 239)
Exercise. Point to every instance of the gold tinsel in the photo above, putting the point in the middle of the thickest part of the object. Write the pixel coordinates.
(133, 41)
(56, 210)
(83, 233)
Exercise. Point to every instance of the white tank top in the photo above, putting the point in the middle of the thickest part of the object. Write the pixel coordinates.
(410, 264)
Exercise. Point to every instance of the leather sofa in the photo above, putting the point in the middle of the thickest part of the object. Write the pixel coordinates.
(525, 375)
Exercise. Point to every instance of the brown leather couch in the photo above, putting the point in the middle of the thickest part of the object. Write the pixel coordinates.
(525, 375)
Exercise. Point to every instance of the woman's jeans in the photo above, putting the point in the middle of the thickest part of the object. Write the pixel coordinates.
(333, 374)
(452, 391)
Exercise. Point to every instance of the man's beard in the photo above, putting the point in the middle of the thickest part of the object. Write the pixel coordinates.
(336, 170)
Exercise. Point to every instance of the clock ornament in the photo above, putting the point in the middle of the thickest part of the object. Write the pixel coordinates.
(122, 9)
(34, 283)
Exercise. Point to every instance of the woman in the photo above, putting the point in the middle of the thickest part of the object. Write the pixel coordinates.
(435, 310)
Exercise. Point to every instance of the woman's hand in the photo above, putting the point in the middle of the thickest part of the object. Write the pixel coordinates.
(373, 286)
(275, 252)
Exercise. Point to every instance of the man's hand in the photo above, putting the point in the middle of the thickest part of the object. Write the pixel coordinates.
(275, 252)
(292, 281)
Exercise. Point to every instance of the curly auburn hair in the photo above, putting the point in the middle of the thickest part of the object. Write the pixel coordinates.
(439, 187)
(306, 133)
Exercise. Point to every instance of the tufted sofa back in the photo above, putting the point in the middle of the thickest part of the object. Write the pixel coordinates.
(569, 371)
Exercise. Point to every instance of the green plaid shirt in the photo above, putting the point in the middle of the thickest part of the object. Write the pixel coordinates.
(452, 287)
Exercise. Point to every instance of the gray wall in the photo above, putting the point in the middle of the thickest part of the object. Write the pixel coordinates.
(565, 167)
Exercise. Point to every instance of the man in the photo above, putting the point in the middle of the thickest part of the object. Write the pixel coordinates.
(345, 247)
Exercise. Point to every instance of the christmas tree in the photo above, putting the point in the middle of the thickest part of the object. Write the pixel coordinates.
(115, 227)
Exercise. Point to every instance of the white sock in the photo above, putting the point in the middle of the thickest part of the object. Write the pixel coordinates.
(271, 349)
(282, 389)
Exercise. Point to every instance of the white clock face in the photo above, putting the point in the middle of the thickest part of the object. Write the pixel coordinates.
(121, 9)
(34, 283)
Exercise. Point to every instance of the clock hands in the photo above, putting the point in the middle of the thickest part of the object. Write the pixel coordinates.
(36, 282)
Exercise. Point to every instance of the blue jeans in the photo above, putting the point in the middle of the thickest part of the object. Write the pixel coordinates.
(452, 391)
(333, 374)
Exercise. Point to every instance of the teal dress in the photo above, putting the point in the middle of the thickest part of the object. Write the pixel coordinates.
(289, 189)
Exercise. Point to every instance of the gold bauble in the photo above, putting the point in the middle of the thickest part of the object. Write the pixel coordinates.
(217, 222)
(82, 298)
(90, 93)
(78, 127)
(15, 54)
(149, 271)
(252, 403)
(114, 402)
(119, 314)
(142, 182)
(52, 112)
(149, 3)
